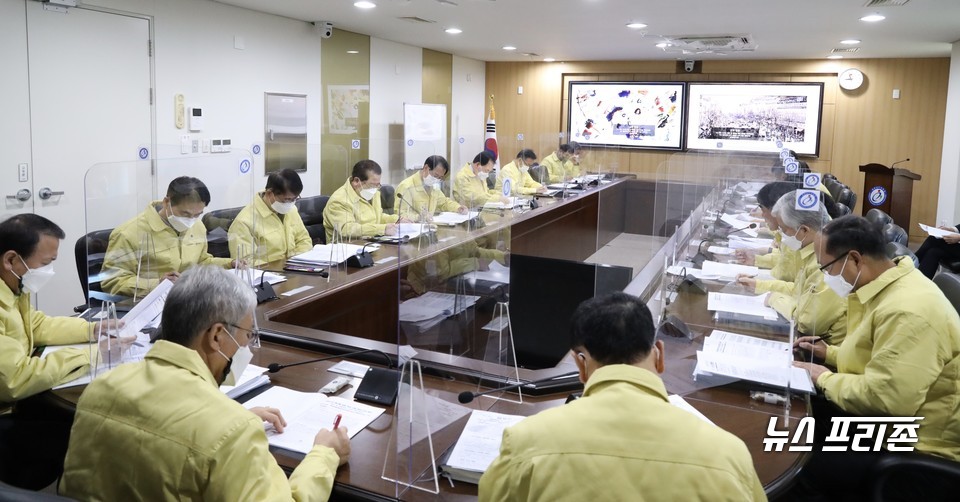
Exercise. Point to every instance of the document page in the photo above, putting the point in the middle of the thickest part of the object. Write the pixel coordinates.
(728, 270)
(453, 218)
(741, 304)
(329, 254)
(756, 371)
(254, 275)
(751, 347)
(308, 412)
(479, 444)
(738, 225)
(935, 232)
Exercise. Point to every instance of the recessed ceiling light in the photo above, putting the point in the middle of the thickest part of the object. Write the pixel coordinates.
(835, 56)
(663, 45)
(509, 48)
(453, 31)
(872, 18)
(351, 51)
(364, 5)
(850, 41)
(636, 26)
(549, 60)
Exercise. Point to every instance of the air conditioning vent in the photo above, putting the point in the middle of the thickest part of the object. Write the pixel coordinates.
(415, 19)
(844, 50)
(885, 3)
(689, 44)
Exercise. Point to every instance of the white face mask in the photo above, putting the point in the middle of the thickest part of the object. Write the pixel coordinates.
(282, 207)
(791, 241)
(838, 284)
(430, 181)
(236, 364)
(181, 223)
(524, 168)
(35, 278)
(483, 175)
(368, 193)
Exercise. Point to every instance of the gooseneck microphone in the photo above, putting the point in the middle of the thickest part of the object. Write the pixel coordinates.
(467, 396)
(899, 161)
(402, 199)
(275, 367)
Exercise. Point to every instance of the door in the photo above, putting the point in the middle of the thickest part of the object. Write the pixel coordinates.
(17, 186)
(90, 103)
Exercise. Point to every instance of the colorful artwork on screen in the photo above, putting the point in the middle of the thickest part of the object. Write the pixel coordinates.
(628, 114)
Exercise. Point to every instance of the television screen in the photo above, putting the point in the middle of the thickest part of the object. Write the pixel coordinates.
(626, 114)
(755, 117)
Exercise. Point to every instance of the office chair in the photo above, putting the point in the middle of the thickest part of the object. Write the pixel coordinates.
(311, 212)
(218, 223)
(949, 283)
(895, 233)
(829, 176)
(878, 217)
(842, 210)
(89, 251)
(388, 198)
(833, 186)
(846, 197)
(895, 249)
(911, 462)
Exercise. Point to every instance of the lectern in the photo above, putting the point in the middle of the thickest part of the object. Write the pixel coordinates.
(889, 190)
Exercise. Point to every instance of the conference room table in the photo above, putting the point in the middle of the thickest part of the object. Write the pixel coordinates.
(357, 309)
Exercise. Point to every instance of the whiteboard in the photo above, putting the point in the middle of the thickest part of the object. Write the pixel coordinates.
(424, 133)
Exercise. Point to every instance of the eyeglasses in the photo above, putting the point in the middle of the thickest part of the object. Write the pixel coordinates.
(838, 258)
(254, 335)
(285, 200)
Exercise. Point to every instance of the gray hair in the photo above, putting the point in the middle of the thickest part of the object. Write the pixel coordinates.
(203, 296)
(786, 210)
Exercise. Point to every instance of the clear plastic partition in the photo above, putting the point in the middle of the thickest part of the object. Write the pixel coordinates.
(726, 338)
(149, 221)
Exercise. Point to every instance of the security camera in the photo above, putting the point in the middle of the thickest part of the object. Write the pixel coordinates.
(325, 28)
(688, 66)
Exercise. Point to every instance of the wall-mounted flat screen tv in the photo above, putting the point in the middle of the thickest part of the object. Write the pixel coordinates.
(761, 117)
(626, 114)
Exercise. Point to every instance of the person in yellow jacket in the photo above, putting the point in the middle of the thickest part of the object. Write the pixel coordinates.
(433, 272)
(518, 172)
(354, 210)
(32, 447)
(161, 242)
(559, 166)
(783, 263)
(470, 183)
(817, 310)
(622, 440)
(270, 228)
(901, 355)
(420, 194)
(161, 429)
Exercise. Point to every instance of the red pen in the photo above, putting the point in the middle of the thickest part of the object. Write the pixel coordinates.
(336, 421)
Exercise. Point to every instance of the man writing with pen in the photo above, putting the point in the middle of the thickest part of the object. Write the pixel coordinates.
(354, 210)
(161, 429)
(900, 358)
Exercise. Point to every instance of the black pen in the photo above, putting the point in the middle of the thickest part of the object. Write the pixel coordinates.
(821, 338)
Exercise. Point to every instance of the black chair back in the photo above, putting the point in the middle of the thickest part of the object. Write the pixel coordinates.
(895, 233)
(878, 217)
(218, 223)
(388, 196)
(895, 249)
(89, 251)
(842, 210)
(833, 186)
(846, 197)
(311, 212)
(908, 465)
(949, 283)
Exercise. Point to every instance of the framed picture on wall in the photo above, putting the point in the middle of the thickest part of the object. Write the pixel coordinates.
(626, 114)
(761, 117)
(343, 107)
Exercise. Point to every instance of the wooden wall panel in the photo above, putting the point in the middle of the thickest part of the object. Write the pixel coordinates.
(857, 127)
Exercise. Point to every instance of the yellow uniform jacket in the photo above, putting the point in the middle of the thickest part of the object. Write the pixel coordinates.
(275, 239)
(470, 190)
(21, 330)
(621, 441)
(816, 308)
(558, 171)
(353, 216)
(901, 357)
(146, 241)
(161, 429)
(425, 201)
(521, 183)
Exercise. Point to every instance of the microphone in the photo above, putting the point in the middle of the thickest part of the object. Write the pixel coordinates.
(899, 161)
(275, 367)
(735, 230)
(700, 257)
(403, 199)
(467, 396)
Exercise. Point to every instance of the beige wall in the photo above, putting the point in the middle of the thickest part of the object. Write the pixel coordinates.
(858, 127)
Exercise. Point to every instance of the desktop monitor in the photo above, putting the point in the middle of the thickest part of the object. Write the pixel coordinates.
(544, 292)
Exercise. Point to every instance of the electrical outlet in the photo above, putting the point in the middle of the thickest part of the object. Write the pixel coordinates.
(23, 172)
(195, 146)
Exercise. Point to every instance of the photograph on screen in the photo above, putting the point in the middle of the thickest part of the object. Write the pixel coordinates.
(755, 117)
(626, 114)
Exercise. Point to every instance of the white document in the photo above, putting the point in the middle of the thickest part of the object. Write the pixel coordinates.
(433, 304)
(452, 219)
(146, 312)
(935, 232)
(329, 254)
(738, 224)
(412, 230)
(722, 251)
(308, 412)
(349, 368)
(494, 273)
(253, 377)
(513, 202)
(679, 271)
(479, 444)
(735, 242)
(682, 403)
(756, 371)
(561, 186)
(751, 347)
(740, 304)
(728, 271)
(254, 275)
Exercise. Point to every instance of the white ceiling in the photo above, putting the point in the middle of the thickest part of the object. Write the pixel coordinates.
(578, 30)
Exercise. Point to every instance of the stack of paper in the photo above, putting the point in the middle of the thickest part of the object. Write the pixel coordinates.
(329, 254)
(253, 377)
(513, 202)
(452, 219)
(738, 224)
(728, 271)
(936, 232)
(308, 412)
(750, 358)
(478, 446)
(429, 309)
(741, 304)
(413, 230)
(737, 242)
(255, 275)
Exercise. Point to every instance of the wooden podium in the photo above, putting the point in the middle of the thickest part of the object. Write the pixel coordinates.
(889, 190)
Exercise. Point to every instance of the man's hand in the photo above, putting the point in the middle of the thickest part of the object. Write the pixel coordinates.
(271, 416)
(107, 327)
(815, 369)
(750, 283)
(171, 276)
(541, 189)
(338, 440)
(745, 256)
(462, 209)
(951, 238)
(238, 264)
(391, 229)
(812, 344)
(112, 349)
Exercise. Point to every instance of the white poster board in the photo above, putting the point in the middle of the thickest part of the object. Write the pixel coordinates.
(424, 133)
